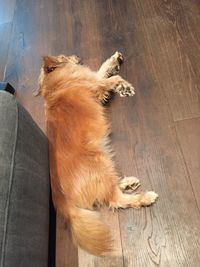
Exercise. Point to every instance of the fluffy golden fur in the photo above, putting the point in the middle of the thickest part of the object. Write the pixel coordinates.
(83, 174)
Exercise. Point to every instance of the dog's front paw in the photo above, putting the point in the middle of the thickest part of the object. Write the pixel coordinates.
(115, 62)
(117, 58)
(111, 66)
(125, 89)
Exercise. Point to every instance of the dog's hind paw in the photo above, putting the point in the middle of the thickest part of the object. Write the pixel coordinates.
(148, 198)
(129, 184)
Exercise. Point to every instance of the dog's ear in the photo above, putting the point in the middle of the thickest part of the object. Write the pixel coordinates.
(50, 63)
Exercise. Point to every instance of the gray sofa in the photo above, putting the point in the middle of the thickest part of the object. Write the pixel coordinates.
(24, 188)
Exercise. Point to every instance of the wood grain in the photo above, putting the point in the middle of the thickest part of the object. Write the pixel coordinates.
(66, 252)
(6, 22)
(115, 259)
(146, 145)
(172, 38)
(5, 32)
(7, 9)
(155, 134)
(188, 132)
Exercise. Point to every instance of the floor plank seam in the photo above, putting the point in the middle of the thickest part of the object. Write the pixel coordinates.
(123, 260)
(189, 118)
(187, 171)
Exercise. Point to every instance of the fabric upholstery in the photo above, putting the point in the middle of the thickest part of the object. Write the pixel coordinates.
(24, 188)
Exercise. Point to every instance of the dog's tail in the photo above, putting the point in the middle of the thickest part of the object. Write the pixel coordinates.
(89, 232)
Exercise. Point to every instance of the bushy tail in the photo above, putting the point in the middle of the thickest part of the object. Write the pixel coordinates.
(89, 232)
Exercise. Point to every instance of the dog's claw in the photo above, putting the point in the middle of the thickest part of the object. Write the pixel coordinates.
(119, 57)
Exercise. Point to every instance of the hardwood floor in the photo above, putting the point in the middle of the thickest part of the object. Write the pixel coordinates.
(156, 134)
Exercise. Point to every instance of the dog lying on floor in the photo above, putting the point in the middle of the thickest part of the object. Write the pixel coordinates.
(83, 174)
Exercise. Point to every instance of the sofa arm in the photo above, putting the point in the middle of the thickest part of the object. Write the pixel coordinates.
(24, 188)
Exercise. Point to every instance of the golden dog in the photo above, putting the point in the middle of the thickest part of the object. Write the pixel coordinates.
(83, 174)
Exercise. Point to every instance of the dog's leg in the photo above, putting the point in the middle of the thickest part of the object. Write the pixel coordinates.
(116, 84)
(129, 184)
(111, 66)
(120, 86)
(121, 200)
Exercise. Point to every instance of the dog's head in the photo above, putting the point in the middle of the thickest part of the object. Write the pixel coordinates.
(50, 65)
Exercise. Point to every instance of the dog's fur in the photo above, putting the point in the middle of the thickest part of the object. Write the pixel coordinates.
(83, 174)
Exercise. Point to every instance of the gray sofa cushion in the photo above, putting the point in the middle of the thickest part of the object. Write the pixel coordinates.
(24, 188)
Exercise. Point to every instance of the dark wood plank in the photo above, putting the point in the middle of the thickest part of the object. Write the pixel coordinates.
(6, 19)
(24, 57)
(189, 138)
(35, 34)
(7, 9)
(172, 37)
(146, 143)
(160, 41)
(66, 252)
(5, 31)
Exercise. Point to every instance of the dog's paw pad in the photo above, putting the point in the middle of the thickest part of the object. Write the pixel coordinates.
(125, 89)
